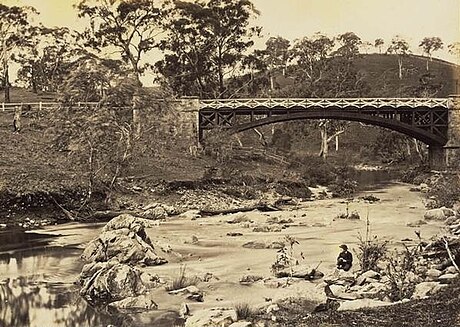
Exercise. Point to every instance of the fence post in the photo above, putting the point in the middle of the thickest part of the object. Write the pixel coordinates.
(40, 106)
(3, 106)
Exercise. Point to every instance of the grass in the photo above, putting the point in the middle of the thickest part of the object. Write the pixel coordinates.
(244, 311)
(181, 281)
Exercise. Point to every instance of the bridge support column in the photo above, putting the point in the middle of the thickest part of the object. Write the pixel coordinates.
(452, 148)
(187, 120)
(437, 157)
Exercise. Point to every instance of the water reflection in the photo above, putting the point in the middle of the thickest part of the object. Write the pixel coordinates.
(27, 302)
(46, 297)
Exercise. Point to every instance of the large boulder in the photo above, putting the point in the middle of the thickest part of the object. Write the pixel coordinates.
(222, 317)
(123, 239)
(105, 282)
(121, 245)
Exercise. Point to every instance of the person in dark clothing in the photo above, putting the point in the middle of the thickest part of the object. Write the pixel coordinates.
(345, 259)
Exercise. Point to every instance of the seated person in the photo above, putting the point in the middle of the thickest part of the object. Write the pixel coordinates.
(345, 259)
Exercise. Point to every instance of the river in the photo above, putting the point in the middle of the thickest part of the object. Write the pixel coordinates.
(38, 268)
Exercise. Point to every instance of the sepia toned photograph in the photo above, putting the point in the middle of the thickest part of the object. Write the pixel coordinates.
(229, 163)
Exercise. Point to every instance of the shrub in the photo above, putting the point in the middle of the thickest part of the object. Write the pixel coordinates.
(400, 264)
(285, 256)
(371, 250)
(445, 190)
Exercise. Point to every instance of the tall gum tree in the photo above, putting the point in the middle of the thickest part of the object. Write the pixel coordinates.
(47, 58)
(205, 43)
(14, 32)
(400, 47)
(429, 45)
(325, 68)
(131, 27)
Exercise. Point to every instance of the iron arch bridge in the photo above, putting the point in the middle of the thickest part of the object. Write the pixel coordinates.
(425, 119)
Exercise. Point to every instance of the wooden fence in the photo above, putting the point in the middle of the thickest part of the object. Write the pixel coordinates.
(39, 106)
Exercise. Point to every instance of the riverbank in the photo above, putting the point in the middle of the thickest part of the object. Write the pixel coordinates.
(224, 248)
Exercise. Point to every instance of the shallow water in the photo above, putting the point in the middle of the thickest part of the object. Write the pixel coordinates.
(38, 269)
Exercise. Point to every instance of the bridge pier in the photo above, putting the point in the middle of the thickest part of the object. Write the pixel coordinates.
(187, 120)
(452, 148)
(437, 157)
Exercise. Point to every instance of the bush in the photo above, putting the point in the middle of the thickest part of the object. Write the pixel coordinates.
(314, 170)
(445, 190)
(398, 267)
(371, 250)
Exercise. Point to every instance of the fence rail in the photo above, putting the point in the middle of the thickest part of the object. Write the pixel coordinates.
(38, 106)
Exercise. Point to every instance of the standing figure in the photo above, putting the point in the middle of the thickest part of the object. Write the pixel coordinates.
(17, 119)
(345, 259)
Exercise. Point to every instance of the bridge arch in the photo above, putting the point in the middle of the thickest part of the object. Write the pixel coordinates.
(420, 134)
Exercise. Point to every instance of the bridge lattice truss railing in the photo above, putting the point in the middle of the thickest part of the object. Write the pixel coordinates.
(325, 103)
(428, 114)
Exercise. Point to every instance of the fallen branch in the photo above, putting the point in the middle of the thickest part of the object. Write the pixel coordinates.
(451, 257)
(68, 214)
(260, 207)
(109, 214)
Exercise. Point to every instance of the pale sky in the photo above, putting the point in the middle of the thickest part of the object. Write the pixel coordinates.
(292, 19)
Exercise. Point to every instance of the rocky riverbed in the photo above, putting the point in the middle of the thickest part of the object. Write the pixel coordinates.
(229, 258)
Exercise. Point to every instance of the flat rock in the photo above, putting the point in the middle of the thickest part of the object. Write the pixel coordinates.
(254, 245)
(239, 218)
(433, 274)
(241, 323)
(364, 277)
(141, 302)
(155, 213)
(221, 317)
(190, 292)
(191, 214)
(301, 271)
(360, 304)
(448, 278)
(425, 289)
(267, 228)
(438, 214)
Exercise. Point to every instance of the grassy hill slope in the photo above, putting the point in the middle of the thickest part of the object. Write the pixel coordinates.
(381, 73)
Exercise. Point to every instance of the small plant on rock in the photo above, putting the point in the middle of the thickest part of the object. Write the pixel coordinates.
(285, 256)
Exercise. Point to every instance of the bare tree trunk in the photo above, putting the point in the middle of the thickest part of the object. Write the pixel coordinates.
(324, 145)
(400, 62)
(336, 143)
(417, 149)
(6, 82)
(261, 137)
(136, 116)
